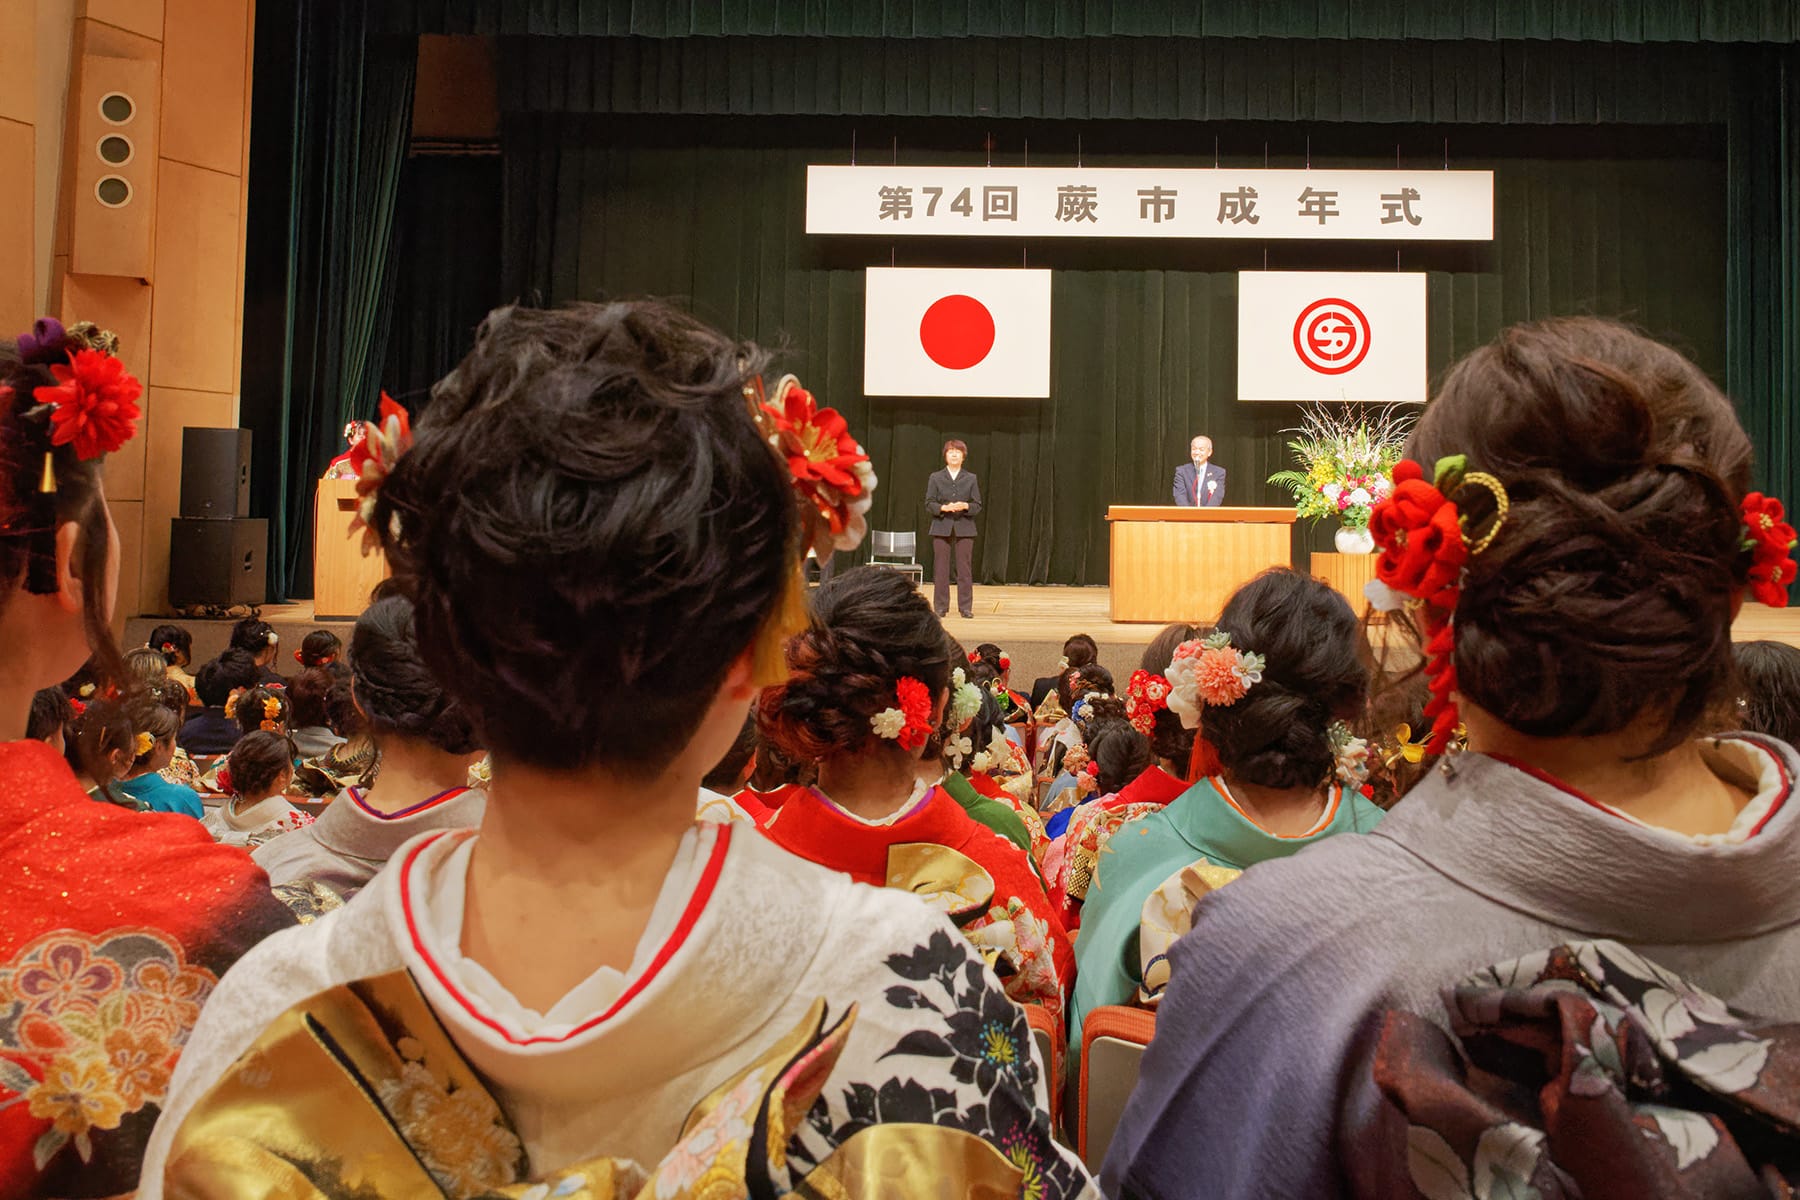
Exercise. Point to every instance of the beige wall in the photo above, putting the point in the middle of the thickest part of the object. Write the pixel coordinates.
(178, 306)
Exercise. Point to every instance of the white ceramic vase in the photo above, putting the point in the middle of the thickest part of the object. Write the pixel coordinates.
(1354, 541)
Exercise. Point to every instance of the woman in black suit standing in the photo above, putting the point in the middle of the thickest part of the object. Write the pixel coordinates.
(953, 497)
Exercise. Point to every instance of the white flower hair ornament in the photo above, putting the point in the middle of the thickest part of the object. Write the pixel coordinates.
(965, 700)
(1351, 753)
(997, 753)
(1210, 672)
(957, 748)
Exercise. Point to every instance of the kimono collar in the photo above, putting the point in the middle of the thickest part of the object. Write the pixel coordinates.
(1209, 820)
(1533, 845)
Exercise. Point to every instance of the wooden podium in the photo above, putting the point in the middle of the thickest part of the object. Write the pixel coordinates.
(1348, 574)
(1181, 564)
(342, 577)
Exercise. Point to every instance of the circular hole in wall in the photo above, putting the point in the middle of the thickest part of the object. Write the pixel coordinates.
(115, 149)
(117, 107)
(113, 192)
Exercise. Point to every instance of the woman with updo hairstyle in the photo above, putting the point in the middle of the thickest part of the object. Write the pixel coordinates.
(427, 746)
(1587, 641)
(145, 901)
(259, 640)
(256, 777)
(154, 725)
(970, 758)
(1280, 788)
(869, 688)
(603, 552)
(308, 693)
(264, 708)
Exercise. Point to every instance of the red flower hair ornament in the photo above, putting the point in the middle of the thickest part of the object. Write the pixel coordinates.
(1146, 695)
(93, 405)
(372, 458)
(1769, 539)
(909, 723)
(1425, 546)
(830, 470)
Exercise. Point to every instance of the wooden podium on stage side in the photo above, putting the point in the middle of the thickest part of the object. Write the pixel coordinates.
(1182, 564)
(342, 577)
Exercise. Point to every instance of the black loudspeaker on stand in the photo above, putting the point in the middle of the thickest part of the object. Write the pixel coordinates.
(217, 552)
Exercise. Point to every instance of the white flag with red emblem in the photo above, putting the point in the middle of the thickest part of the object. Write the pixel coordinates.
(930, 331)
(1332, 335)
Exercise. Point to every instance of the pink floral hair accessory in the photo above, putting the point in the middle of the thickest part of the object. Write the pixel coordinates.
(1210, 672)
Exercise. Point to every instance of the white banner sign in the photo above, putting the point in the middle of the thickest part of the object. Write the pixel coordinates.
(1224, 202)
(956, 332)
(1331, 335)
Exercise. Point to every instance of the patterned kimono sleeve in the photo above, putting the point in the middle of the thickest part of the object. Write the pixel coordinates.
(944, 1046)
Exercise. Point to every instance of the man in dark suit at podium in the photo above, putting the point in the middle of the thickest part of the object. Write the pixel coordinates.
(953, 498)
(1198, 482)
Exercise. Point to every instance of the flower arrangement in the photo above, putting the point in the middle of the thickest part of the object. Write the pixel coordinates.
(1346, 460)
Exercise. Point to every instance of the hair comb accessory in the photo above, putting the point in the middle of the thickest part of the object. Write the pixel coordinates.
(1146, 695)
(1210, 672)
(909, 723)
(372, 459)
(1426, 546)
(1769, 540)
(142, 744)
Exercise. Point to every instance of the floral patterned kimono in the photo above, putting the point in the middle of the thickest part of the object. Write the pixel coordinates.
(114, 929)
(1585, 1071)
(845, 1041)
(976, 877)
(1074, 855)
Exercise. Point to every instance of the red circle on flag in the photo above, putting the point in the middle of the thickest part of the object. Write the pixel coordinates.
(1331, 336)
(957, 332)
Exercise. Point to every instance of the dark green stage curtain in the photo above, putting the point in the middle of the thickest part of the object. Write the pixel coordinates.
(446, 268)
(1763, 367)
(1561, 20)
(1190, 79)
(352, 119)
(1610, 221)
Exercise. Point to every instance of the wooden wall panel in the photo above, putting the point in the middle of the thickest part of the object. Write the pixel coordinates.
(123, 306)
(18, 230)
(18, 65)
(196, 308)
(107, 240)
(206, 48)
(172, 411)
(143, 17)
(128, 516)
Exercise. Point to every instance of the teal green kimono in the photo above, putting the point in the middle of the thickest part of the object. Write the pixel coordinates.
(1201, 823)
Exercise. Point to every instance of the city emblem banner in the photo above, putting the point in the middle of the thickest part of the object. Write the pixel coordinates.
(1332, 335)
(956, 332)
(1151, 202)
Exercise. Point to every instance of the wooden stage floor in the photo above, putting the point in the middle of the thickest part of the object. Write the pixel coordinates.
(1030, 623)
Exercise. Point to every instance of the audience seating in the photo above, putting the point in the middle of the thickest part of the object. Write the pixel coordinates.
(1113, 1038)
(1052, 1050)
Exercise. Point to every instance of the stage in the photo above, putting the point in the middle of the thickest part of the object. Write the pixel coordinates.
(1029, 623)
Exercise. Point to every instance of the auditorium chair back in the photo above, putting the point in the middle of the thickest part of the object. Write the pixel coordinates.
(1113, 1038)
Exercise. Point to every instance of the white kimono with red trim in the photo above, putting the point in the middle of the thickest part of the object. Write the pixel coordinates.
(744, 940)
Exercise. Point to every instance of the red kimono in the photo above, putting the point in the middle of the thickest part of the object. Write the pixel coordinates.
(1074, 855)
(115, 927)
(983, 882)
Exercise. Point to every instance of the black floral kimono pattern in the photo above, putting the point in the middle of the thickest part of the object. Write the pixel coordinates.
(1589, 1072)
(989, 1048)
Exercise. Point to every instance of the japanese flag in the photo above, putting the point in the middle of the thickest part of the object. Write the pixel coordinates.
(1332, 335)
(955, 332)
